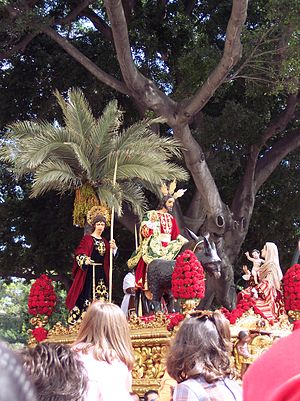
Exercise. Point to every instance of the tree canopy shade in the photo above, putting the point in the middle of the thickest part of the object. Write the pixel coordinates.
(226, 83)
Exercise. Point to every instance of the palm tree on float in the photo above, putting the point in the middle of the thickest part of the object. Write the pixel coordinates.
(82, 156)
(103, 164)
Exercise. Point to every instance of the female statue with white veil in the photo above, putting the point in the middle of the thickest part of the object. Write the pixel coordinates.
(266, 293)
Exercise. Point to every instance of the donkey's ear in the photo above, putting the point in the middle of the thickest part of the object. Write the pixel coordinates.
(206, 241)
(191, 234)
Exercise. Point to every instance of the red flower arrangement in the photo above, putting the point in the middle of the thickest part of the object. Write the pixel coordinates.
(188, 277)
(291, 288)
(42, 298)
(173, 318)
(41, 301)
(39, 333)
(245, 304)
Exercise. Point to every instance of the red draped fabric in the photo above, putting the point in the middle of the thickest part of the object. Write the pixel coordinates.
(84, 248)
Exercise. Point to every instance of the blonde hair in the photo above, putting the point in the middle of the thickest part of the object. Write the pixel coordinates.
(104, 328)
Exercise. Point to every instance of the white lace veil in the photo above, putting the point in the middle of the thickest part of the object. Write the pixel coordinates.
(271, 255)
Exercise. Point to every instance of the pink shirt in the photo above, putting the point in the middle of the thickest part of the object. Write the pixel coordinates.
(107, 381)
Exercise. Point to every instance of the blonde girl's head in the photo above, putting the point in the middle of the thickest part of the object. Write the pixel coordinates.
(104, 329)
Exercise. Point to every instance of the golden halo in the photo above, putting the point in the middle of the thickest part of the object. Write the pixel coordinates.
(95, 211)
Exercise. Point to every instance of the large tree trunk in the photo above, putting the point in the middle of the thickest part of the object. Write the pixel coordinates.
(219, 222)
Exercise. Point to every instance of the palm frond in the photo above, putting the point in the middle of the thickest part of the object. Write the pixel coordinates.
(111, 196)
(134, 196)
(53, 175)
(78, 116)
(154, 174)
(149, 186)
(106, 126)
(146, 166)
(140, 134)
(83, 161)
(21, 130)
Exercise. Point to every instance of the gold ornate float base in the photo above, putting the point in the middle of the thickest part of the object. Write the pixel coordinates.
(150, 343)
(151, 340)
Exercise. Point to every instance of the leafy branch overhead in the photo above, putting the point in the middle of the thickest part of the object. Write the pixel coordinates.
(84, 151)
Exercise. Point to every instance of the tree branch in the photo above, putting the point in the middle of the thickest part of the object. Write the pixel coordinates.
(19, 47)
(258, 169)
(266, 165)
(141, 88)
(244, 197)
(196, 163)
(26, 5)
(98, 23)
(232, 53)
(280, 123)
(85, 61)
(128, 7)
(75, 13)
(196, 214)
(189, 6)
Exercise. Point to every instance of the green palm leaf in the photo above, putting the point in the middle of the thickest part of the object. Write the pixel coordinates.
(110, 196)
(78, 116)
(54, 175)
(106, 126)
(133, 195)
(85, 151)
(83, 161)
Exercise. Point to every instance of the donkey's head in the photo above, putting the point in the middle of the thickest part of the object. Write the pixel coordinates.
(206, 252)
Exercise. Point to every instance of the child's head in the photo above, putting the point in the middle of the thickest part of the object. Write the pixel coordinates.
(56, 372)
(104, 327)
(201, 347)
(243, 335)
(255, 253)
(150, 395)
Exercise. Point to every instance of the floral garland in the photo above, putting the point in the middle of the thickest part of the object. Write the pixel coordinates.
(173, 318)
(41, 301)
(291, 288)
(243, 306)
(188, 277)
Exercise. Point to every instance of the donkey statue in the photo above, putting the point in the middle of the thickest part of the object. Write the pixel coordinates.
(160, 271)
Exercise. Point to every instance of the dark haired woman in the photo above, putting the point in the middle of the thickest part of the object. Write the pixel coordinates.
(199, 360)
(93, 248)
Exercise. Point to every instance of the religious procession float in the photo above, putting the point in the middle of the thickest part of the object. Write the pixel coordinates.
(106, 168)
(151, 334)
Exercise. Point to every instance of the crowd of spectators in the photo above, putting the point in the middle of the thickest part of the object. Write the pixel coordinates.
(97, 367)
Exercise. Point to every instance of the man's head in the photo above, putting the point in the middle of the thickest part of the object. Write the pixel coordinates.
(56, 372)
(150, 395)
(167, 203)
